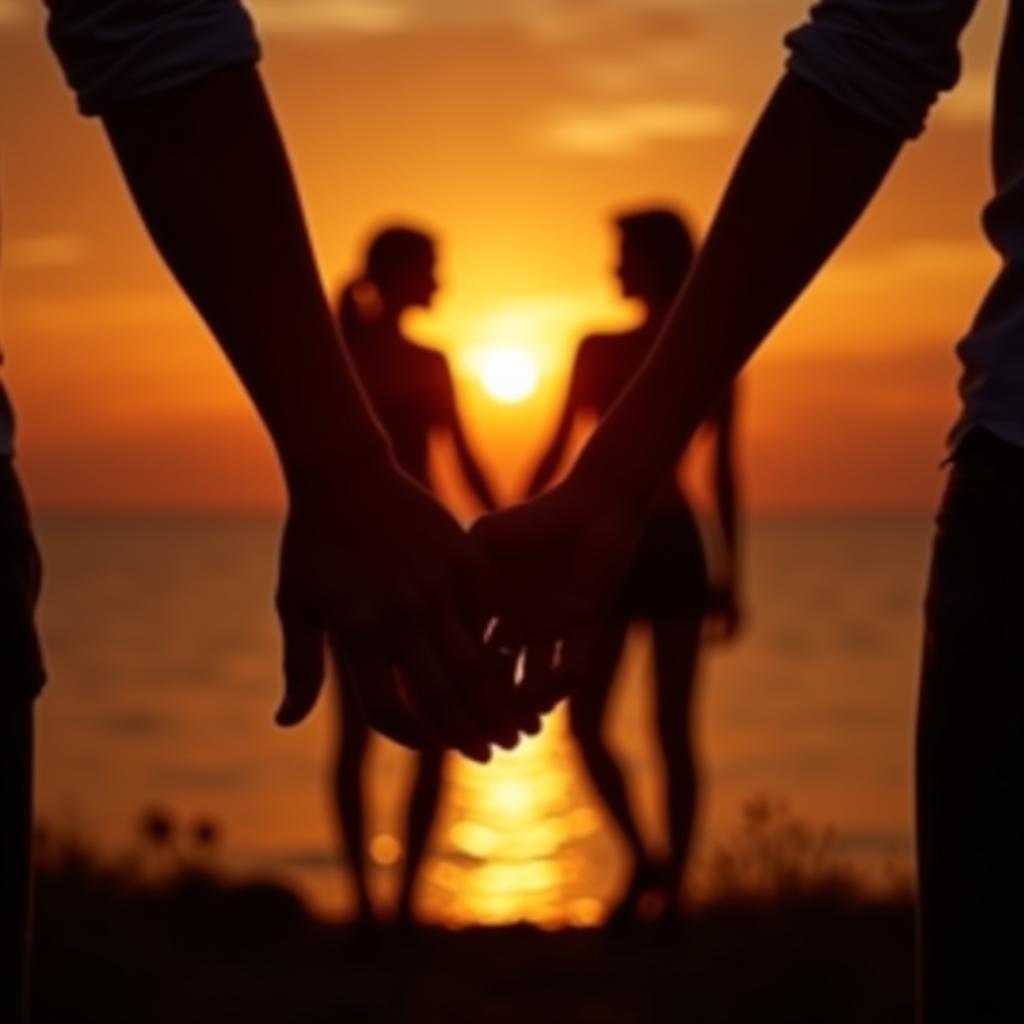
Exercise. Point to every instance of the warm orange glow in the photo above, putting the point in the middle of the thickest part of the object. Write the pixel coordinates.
(509, 854)
(507, 350)
(124, 401)
(385, 850)
(508, 374)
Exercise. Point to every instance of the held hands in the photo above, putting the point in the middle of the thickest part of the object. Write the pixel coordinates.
(404, 596)
(556, 562)
(407, 600)
(454, 640)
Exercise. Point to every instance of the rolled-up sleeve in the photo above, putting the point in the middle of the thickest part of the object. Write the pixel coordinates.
(115, 51)
(885, 59)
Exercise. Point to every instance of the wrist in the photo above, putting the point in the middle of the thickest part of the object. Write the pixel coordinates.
(610, 475)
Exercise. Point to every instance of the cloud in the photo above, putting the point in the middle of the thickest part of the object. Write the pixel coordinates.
(619, 129)
(916, 261)
(626, 22)
(354, 17)
(556, 22)
(12, 12)
(44, 252)
(626, 60)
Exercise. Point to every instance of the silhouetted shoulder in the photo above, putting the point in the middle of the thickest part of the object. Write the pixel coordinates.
(433, 378)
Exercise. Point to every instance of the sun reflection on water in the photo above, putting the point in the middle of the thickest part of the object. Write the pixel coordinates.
(511, 850)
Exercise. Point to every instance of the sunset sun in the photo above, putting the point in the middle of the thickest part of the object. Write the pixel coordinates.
(508, 373)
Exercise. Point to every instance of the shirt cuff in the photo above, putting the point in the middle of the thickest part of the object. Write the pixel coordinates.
(116, 51)
(886, 61)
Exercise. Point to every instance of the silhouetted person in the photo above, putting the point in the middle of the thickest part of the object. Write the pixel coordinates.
(411, 391)
(667, 583)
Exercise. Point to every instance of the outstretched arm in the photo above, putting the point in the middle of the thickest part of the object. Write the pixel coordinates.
(807, 173)
(863, 76)
(365, 552)
(224, 214)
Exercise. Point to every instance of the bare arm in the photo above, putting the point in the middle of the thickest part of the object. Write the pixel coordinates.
(226, 218)
(864, 75)
(805, 177)
(364, 551)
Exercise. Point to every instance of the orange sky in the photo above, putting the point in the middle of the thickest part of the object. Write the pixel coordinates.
(513, 129)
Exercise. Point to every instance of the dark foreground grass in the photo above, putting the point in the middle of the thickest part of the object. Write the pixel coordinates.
(784, 936)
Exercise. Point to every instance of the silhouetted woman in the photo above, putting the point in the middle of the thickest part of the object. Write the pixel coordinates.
(668, 583)
(411, 391)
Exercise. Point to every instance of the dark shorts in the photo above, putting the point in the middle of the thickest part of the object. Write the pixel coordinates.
(668, 576)
(21, 661)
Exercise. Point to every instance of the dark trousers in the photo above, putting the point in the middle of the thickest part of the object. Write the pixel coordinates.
(970, 745)
(21, 677)
(15, 857)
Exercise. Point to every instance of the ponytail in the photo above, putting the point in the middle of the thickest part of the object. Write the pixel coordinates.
(358, 307)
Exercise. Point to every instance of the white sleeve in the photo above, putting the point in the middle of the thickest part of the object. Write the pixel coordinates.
(885, 59)
(114, 51)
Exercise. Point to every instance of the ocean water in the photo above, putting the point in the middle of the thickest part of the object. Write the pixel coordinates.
(163, 657)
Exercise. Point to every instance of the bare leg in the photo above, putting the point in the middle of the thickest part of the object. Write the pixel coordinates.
(586, 717)
(676, 643)
(15, 859)
(349, 801)
(423, 805)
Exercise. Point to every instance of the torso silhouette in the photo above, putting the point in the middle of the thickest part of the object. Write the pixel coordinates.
(605, 364)
(410, 389)
(668, 575)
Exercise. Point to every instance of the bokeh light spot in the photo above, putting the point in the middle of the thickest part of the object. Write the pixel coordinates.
(385, 850)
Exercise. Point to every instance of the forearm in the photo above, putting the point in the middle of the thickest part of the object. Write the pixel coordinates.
(224, 213)
(805, 177)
